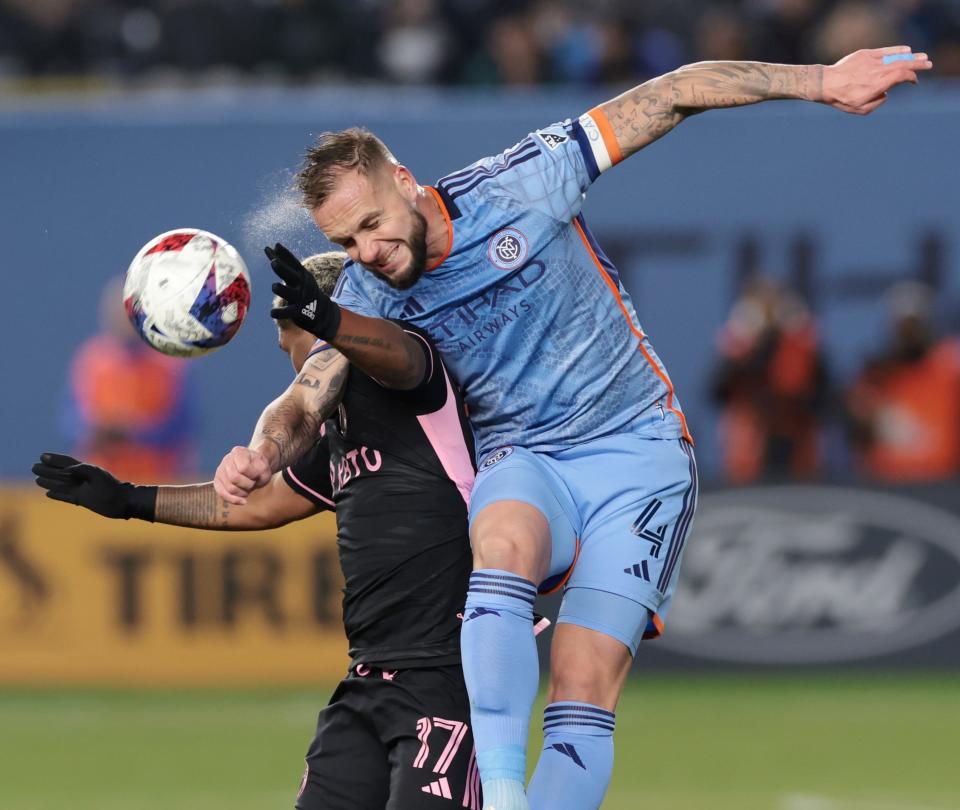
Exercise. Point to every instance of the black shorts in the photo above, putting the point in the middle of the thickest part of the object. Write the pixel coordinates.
(393, 741)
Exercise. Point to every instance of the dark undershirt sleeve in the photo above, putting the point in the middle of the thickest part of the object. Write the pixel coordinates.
(431, 394)
(309, 476)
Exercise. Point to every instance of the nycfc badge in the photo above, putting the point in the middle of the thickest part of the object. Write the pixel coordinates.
(498, 455)
(508, 249)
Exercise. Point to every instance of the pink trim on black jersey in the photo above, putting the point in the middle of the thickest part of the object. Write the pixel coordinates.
(471, 796)
(445, 434)
(313, 492)
(429, 375)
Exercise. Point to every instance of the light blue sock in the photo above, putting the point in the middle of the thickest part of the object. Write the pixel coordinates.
(501, 669)
(577, 759)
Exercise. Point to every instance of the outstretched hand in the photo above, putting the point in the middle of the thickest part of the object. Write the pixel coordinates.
(71, 481)
(858, 83)
(307, 305)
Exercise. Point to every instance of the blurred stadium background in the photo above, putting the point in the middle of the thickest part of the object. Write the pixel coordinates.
(797, 269)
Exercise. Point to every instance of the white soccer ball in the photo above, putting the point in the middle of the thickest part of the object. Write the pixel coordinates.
(187, 292)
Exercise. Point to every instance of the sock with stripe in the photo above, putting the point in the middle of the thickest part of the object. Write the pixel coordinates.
(577, 759)
(501, 670)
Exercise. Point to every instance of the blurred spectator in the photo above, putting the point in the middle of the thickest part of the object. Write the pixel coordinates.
(129, 409)
(853, 25)
(414, 46)
(519, 42)
(903, 411)
(722, 33)
(514, 50)
(771, 382)
(785, 29)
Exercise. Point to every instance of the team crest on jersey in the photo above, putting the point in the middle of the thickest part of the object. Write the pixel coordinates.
(551, 139)
(508, 249)
(498, 455)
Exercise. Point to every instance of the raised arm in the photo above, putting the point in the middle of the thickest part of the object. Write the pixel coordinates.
(291, 423)
(195, 505)
(858, 84)
(381, 349)
(287, 427)
(376, 346)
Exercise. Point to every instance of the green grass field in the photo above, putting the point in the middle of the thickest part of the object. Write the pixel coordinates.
(709, 743)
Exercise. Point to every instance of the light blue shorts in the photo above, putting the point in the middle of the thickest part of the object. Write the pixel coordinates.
(619, 509)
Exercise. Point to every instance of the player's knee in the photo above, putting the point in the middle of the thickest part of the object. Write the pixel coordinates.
(515, 540)
(503, 551)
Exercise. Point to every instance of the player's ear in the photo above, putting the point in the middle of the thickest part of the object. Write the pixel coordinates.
(406, 182)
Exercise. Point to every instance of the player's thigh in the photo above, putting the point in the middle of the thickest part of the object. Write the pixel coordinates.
(630, 552)
(521, 516)
(347, 766)
(430, 741)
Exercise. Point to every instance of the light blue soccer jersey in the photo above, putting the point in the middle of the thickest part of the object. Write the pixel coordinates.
(529, 314)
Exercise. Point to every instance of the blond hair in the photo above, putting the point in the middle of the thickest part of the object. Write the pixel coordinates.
(335, 153)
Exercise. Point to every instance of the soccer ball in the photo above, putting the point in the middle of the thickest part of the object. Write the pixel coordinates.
(187, 292)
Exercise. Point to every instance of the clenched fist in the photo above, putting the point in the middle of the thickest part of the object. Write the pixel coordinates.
(241, 472)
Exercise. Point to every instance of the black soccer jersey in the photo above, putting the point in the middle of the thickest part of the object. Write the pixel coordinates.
(398, 466)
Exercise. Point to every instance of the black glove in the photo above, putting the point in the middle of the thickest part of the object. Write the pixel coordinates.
(67, 480)
(307, 306)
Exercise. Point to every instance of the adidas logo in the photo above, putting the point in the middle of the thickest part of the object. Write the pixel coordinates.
(639, 570)
(439, 788)
(310, 310)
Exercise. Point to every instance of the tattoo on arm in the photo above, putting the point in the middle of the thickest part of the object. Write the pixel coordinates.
(196, 506)
(363, 340)
(648, 112)
(731, 84)
(292, 422)
(392, 356)
(644, 114)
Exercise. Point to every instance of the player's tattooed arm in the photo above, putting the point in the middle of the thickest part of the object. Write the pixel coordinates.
(195, 505)
(198, 506)
(381, 349)
(287, 427)
(648, 112)
(857, 84)
(291, 423)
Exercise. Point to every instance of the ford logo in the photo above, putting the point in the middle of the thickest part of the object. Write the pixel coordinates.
(815, 574)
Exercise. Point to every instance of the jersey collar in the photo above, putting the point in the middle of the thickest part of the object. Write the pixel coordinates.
(447, 221)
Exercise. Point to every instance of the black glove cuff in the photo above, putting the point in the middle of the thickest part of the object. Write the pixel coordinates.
(142, 503)
(331, 322)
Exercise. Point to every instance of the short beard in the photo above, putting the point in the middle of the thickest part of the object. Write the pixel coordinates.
(417, 243)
